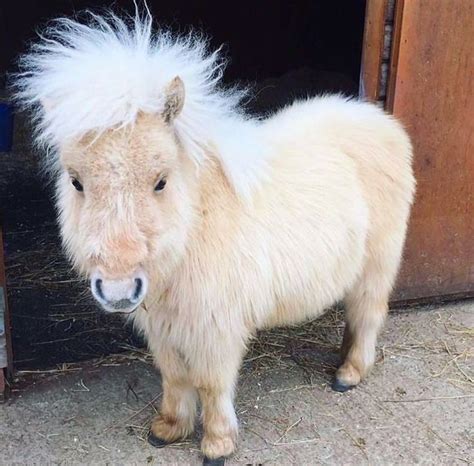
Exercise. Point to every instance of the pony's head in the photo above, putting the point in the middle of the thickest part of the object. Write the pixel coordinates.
(126, 201)
(129, 118)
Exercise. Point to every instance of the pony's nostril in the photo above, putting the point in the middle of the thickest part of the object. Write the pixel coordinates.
(98, 289)
(119, 294)
(138, 288)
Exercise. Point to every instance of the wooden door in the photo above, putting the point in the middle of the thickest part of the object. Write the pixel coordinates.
(431, 89)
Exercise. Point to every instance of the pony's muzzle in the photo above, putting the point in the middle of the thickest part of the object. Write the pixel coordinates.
(119, 295)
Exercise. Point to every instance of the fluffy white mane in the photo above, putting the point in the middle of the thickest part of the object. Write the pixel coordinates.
(98, 75)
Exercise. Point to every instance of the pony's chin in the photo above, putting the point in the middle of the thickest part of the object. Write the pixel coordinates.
(125, 312)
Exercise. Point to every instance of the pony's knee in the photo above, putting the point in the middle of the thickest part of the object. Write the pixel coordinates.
(365, 315)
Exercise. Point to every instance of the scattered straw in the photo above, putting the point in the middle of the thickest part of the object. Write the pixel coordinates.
(288, 429)
(358, 442)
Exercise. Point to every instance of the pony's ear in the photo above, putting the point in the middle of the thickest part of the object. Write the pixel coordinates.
(174, 99)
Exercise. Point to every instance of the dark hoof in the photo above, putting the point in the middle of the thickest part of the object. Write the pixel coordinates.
(156, 441)
(213, 462)
(338, 386)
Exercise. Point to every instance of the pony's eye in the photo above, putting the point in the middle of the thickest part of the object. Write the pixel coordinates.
(160, 185)
(77, 185)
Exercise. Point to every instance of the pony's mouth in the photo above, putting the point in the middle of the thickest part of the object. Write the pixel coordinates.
(119, 308)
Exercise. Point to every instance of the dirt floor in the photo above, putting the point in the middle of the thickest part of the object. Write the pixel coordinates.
(417, 407)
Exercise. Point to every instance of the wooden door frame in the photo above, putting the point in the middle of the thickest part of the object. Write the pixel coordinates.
(395, 48)
(383, 19)
(372, 49)
(6, 354)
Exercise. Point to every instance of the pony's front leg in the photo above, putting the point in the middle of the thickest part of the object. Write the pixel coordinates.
(178, 405)
(217, 399)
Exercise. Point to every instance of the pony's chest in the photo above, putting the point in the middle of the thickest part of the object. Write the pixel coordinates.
(169, 325)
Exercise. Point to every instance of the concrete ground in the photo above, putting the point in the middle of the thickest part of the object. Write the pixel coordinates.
(417, 407)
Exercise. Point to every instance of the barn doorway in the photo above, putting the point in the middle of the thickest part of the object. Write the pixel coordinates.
(283, 49)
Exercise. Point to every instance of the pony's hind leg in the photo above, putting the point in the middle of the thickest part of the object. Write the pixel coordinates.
(364, 318)
(367, 302)
(366, 308)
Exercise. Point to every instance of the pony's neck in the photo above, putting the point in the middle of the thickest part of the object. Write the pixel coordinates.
(214, 185)
(243, 155)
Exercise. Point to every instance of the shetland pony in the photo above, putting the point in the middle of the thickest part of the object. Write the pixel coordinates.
(204, 225)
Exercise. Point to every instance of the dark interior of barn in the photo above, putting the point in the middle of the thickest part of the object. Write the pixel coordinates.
(282, 49)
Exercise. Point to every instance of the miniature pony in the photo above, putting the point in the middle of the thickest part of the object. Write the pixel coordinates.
(204, 225)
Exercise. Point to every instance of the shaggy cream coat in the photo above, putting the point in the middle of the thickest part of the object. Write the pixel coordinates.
(260, 224)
